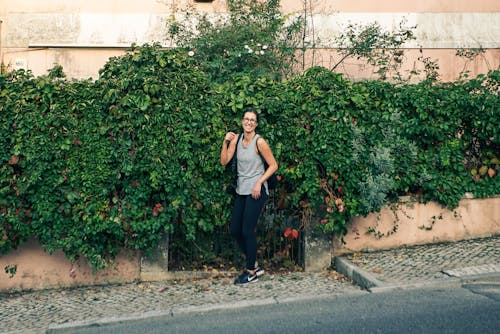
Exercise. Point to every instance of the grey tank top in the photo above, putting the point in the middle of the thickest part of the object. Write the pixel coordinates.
(250, 167)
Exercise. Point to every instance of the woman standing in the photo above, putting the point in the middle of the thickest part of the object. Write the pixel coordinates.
(251, 191)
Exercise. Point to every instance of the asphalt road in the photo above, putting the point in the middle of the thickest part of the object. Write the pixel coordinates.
(469, 308)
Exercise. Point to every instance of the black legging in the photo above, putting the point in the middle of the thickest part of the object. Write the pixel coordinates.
(246, 213)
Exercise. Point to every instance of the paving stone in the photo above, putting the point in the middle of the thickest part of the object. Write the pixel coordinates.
(32, 312)
(427, 262)
(476, 270)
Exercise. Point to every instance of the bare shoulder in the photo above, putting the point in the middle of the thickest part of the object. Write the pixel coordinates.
(261, 143)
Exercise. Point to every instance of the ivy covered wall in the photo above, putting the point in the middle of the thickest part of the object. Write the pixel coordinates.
(92, 167)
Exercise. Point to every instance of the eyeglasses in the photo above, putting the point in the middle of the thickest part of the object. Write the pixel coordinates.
(249, 120)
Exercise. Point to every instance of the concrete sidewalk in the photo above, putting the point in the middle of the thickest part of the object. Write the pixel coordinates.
(407, 267)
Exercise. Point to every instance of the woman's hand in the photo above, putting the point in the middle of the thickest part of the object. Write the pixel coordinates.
(228, 148)
(229, 136)
(256, 190)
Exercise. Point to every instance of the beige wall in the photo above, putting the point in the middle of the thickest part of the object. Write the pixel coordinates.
(82, 35)
(450, 65)
(39, 270)
(404, 6)
(419, 223)
(106, 6)
(126, 6)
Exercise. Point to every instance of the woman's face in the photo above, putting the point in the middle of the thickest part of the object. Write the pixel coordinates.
(249, 121)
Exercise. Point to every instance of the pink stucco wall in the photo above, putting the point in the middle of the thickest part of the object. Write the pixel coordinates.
(118, 6)
(450, 65)
(419, 223)
(37, 269)
(379, 6)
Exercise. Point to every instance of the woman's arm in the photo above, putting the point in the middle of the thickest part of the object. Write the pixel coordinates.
(228, 148)
(267, 154)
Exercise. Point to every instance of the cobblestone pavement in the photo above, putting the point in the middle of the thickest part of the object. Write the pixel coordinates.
(34, 312)
(431, 262)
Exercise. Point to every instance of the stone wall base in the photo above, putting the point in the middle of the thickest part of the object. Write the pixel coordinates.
(154, 267)
(317, 252)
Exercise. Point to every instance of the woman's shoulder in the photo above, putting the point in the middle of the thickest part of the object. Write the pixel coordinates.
(260, 139)
(260, 143)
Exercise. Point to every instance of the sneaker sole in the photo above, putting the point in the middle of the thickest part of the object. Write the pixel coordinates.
(256, 279)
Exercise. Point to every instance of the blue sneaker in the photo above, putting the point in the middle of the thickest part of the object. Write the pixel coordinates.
(245, 278)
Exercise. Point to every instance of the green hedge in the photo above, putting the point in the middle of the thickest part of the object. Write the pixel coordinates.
(92, 167)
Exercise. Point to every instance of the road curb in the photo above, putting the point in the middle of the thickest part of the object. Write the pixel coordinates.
(362, 277)
(369, 282)
(70, 327)
(106, 321)
(417, 285)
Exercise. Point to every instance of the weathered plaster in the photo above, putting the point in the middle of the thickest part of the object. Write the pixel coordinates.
(433, 30)
(418, 223)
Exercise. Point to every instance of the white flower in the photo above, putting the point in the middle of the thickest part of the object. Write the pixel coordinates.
(246, 46)
(264, 47)
(191, 53)
(250, 51)
(258, 44)
(262, 52)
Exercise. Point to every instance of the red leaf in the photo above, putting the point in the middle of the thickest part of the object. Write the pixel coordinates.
(13, 160)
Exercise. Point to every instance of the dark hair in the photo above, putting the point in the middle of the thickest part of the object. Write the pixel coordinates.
(253, 112)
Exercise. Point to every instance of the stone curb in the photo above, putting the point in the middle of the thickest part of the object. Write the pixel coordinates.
(155, 314)
(367, 281)
(360, 276)
(68, 327)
